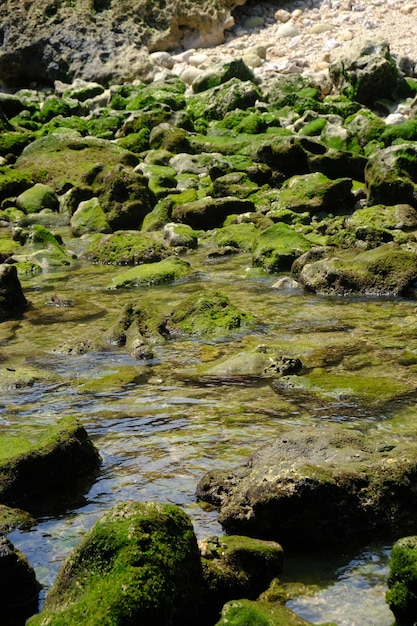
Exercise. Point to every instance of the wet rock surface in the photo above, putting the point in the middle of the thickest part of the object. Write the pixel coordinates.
(316, 486)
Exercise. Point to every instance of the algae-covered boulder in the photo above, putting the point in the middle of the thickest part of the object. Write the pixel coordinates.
(165, 271)
(365, 71)
(208, 212)
(222, 73)
(215, 103)
(237, 567)
(12, 299)
(127, 248)
(314, 193)
(19, 589)
(29, 468)
(89, 218)
(250, 612)
(180, 235)
(391, 175)
(139, 564)
(283, 493)
(137, 326)
(277, 247)
(402, 581)
(294, 90)
(208, 313)
(37, 198)
(385, 270)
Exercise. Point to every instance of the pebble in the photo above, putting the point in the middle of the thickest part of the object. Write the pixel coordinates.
(302, 35)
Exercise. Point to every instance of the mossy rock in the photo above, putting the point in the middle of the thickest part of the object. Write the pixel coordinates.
(391, 175)
(252, 613)
(237, 567)
(13, 182)
(29, 468)
(222, 73)
(215, 103)
(208, 313)
(180, 235)
(402, 581)
(400, 217)
(135, 142)
(277, 247)
(60, 159)
(290, 154)
(89, 218)
(53, 106)
(166, 271)
(138, 564)
(168, 92)
(241, 236)
(385, 270)
(112, 382)
(37, 198)
(315, 193)
(208, 212)
(137, 322)
(127, 248)
(237, 184)
(11, 518)
(290, 90)
(13, 142)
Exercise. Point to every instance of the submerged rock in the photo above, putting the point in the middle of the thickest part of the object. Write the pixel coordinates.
(317, 485)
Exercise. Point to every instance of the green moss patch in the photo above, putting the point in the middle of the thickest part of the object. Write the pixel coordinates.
(127, 248)
(165, 271)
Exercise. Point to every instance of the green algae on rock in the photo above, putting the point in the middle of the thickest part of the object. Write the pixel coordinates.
(314, 193)
(138, 564)
(126, 247)
(37, 198)
(277, 247)
(237, 566)
(11, 518)
(402, 581)
(166, 271)
(121, 378)
(89, 218)
(208, 313)
(385, 270)
(250, 612)
(30, 468)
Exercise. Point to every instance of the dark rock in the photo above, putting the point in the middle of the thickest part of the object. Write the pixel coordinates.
(317, 485)
(12, 300)
(365, 71)
(19, 589)
(209, 213)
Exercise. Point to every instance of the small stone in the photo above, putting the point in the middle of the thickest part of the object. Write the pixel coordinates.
(282, 16)
(394, 118)
(288, 30)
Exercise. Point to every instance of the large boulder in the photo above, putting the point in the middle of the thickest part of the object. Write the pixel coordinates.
(101, 40)
(387, 270)
(139, 564)
(317, 485)
(12, 300)
(391, 175)
(364, 71)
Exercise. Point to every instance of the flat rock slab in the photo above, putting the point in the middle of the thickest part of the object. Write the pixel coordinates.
(319, 484)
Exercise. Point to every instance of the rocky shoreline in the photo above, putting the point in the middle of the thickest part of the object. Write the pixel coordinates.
(309, 169)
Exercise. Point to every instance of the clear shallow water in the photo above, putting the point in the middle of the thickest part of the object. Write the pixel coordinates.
(157, 438)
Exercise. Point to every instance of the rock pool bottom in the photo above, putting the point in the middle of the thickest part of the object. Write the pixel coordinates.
(159, 435)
